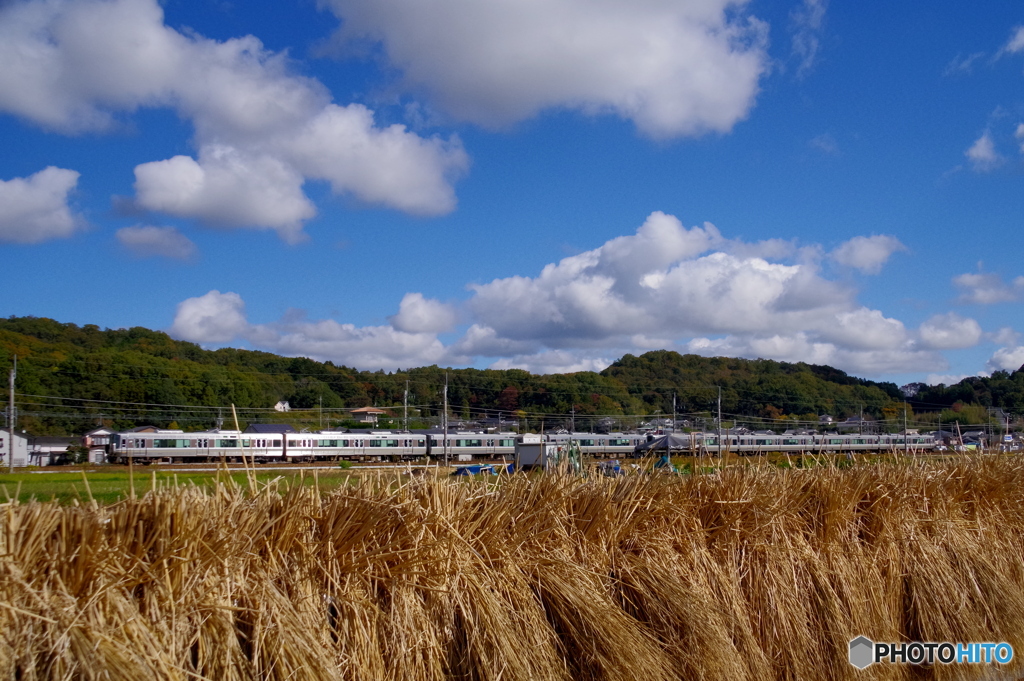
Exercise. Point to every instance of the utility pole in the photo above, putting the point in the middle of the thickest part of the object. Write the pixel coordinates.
(445, 418)
(905, 445)
(673, 412)
(405, 406)
(572, 419)
(719, 420)
(860, 424)
(10, 419)
(321, 412)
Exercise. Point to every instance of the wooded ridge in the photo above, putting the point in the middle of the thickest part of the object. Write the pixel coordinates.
(72, 377)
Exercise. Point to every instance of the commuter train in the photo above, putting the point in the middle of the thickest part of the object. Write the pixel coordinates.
(175, 446)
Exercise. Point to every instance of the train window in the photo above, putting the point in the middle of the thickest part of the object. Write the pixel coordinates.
(618, 442)
(586, 443)
(506, 443)
(421, 442)
(277, 443)
(835, 441)
(791, 442)
(227, 443)
(469, 443)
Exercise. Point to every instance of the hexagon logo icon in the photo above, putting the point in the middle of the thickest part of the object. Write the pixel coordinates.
(862, 652)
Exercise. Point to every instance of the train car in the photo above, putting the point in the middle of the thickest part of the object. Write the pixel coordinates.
(700, 443)
(175, 446)
(603, 445)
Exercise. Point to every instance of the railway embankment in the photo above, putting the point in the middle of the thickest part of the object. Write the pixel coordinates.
(744, 573)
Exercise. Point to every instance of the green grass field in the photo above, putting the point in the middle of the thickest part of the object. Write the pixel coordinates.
(110, 486)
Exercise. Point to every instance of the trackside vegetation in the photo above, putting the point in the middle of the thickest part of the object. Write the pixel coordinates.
(741, 574)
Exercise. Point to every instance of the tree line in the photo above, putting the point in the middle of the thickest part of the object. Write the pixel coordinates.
(72, 378)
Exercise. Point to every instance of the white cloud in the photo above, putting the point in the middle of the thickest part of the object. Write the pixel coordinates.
(804, 347)
(1004, 336)
(212, 318)
(1016, 42)
(73, 66)
(983, 155)
(368, 347)
(147, 240)
(807, 20)
(1007, 359)
(987, 289)
(663, 283)
(553, 362)
(949, 331)
(945, 379)
(217, 318)
(867, 253)
(678, 68)
(35, 208)
(1019, 134)
(962, 65)
(417, 314)
(226, 187)
(664, 286)
(483, 341)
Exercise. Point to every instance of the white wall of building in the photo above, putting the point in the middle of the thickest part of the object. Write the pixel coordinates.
(20, 449)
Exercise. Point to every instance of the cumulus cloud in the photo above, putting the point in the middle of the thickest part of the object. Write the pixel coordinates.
(1007, 359)
(949, 331)
(867, 253)
(225, 187)
(669, 282)
(982, 154)
(945, 379)
(147, 240)
(261, 129)
(35, 208)
(984, 288)
(665, 286)
(1004, 336)
(806, 347)
(212, 318)
(367, 347)
(217, 318)
(553, 362)
(417, 314)
(678, 68)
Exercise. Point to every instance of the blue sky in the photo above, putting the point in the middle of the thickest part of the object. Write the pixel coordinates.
(545, 185)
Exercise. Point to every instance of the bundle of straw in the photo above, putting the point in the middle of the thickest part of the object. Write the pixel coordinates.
(745, 574)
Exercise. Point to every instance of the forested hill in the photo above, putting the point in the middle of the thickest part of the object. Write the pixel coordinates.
(72, 378)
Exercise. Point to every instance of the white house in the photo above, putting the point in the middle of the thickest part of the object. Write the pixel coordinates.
(20, 449)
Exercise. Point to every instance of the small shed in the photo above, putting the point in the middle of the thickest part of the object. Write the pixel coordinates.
(533, 452)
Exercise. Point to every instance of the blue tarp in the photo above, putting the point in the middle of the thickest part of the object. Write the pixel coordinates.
(485, 469)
